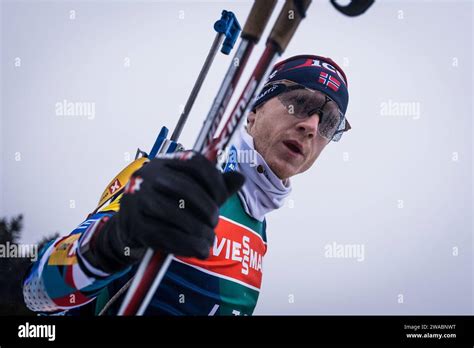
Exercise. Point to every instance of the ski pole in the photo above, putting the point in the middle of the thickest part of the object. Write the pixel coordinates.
(278, 40)
(148, 278)
(253, 29)
(227, 27)
(228, 30)
(257, 20)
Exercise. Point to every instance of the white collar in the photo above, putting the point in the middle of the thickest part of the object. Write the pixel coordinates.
(263, 190)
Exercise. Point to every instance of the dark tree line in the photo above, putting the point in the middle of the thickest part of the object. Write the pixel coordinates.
(13, 269)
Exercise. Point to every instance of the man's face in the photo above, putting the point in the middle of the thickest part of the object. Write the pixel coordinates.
(289, 144)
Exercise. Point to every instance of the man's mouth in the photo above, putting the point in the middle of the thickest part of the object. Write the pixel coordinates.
(294, 146)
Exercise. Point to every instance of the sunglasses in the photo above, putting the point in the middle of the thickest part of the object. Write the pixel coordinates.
(332, 122)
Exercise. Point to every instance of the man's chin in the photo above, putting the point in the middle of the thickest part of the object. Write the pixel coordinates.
(283, 169)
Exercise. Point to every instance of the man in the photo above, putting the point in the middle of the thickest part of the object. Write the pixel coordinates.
(212, 221)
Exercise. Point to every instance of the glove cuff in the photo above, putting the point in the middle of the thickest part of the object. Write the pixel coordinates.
(104, 252)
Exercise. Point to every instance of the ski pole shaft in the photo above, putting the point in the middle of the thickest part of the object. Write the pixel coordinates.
(258, 17)
(288, 21)
(227, 27)
(219, 38)
(224, 94)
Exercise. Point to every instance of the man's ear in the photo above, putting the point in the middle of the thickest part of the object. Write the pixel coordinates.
(251, 120)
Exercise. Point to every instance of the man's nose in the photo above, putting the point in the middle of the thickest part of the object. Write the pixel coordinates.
(308, 125)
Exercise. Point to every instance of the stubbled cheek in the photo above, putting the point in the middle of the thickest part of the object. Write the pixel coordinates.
(260, 144)
(314, 156)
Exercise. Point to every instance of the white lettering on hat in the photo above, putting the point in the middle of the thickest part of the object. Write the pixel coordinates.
(326, 65)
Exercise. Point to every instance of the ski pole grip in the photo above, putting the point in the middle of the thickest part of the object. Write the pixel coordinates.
(230, 27)
(290, 17)
(257, 19)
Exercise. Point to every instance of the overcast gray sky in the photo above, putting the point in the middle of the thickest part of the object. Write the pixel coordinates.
(398, 185)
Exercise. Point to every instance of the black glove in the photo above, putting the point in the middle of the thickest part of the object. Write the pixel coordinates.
(171, 204)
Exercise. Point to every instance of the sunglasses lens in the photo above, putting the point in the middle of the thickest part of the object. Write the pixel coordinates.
(329, 124)
(340, 130)
(302, 102)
